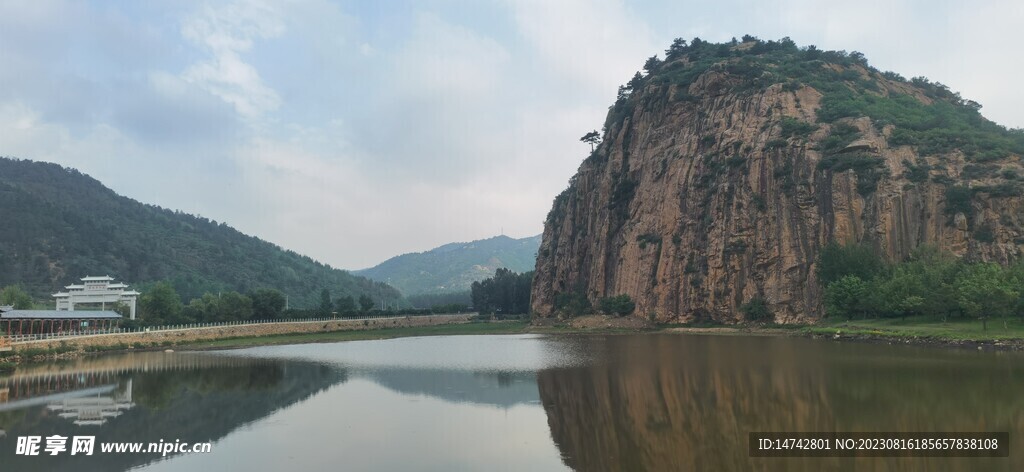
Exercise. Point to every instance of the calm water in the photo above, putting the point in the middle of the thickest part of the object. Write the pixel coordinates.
(645, 402)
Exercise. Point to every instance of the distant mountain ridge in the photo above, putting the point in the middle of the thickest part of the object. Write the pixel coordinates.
(454, 266)
(58, 224)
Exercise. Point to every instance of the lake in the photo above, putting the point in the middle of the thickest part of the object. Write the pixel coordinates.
(520, 402)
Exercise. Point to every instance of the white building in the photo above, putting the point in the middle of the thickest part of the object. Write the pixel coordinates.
(97, 290)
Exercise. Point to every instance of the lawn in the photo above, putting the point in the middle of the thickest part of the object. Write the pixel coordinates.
(927, 327)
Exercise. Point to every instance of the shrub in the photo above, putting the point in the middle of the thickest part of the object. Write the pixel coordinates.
(573, 304)
(836, 261)
(620, 305)
(794, 128)
(756, 310)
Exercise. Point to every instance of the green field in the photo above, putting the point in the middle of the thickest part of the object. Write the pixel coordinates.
(954, 329)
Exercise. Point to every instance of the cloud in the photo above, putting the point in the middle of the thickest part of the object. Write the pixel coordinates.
(352, 132)
(227, 32)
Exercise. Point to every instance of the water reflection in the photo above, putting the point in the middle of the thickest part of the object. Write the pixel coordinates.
(146, 397)
(589, 403)
(688, 403)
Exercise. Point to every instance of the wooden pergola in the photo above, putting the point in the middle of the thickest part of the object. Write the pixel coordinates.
(18, 322)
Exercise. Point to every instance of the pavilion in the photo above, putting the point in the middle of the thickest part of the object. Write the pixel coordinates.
(15, 322)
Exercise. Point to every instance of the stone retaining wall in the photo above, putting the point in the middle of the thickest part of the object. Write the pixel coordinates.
(253, 330)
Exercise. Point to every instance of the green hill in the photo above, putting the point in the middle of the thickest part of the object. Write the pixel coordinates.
(57, 225)
(453, 267)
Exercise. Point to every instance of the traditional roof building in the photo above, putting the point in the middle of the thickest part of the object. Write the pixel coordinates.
(97, 290)
(49, 322)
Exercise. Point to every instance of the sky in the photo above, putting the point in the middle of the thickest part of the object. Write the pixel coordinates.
(356, 131)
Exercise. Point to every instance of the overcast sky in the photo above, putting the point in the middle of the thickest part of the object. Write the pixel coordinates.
(356, 131)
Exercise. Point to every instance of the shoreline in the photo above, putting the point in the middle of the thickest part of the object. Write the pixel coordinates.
(839, 335)
(605, 326)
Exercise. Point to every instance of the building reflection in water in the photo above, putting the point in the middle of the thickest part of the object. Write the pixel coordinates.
(95, 409)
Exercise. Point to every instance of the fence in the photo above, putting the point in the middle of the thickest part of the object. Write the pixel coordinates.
(18, 338)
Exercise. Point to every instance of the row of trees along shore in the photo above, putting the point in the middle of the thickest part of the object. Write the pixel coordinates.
(161, 305)
(860, 283)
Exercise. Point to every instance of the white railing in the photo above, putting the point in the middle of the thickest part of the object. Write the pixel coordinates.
(18, 338)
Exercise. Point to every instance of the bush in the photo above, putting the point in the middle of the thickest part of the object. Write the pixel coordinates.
(794, 128)
(620, 305)
(756, 310)
(836, 261)
(573, 304)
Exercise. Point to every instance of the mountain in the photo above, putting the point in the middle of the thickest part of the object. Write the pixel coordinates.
(725, 169)
(453, 267)
(57, 225)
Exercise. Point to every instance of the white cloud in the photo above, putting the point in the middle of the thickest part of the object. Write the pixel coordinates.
(227, 32)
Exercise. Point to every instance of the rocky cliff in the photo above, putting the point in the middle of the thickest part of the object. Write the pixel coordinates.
(726, 167)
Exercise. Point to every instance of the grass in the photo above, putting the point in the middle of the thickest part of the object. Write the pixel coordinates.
(496, 327)
(954, 329)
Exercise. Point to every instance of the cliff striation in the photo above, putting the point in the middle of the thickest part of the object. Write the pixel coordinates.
(726, 168)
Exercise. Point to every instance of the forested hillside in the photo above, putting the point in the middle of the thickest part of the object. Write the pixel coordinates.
(454, 267)
(57, 225)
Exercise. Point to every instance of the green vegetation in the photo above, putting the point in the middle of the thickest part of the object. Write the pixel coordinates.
(61, 224)
(924, 114)
(794, 128)
(860, 284)
(922, 326)
(454, 267)
(573, 304)
(756, 310)
(440, 299)
(620, 305)
(13, 295)
(507, 293)
(161, 305)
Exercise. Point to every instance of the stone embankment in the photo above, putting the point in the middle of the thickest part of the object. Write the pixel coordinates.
(187, 335)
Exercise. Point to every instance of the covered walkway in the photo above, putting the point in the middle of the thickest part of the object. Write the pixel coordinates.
(18, 322)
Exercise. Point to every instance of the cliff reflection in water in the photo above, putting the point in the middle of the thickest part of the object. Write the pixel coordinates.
(146, 397)
(688, 403)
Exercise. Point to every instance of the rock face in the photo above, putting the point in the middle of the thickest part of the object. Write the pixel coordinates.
(711, 191)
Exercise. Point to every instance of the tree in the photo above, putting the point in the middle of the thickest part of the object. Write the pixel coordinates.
(267, 304)
(13, 295)
(635, 83)
(506, 292)
(123, 309)
(326, 307)
(652, 64)
(756, 310)
(983, 291)
(573, 303)
(365, 302)
(836, 261)
(346, 305)
(592, 138)
(675, 50)
(161, 304)
(844, 297)
(620, 305)
(234, 306)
